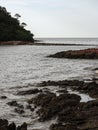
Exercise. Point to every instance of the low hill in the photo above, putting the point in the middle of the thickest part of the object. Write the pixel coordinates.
(11, 29)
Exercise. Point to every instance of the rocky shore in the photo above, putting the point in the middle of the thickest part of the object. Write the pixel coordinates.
(77, 54)
(68, 110)
(4, 125)
(38, 43)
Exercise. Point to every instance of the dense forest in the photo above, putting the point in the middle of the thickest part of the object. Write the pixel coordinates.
(11, 29)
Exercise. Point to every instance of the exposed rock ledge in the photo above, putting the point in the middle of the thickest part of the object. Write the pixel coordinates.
(91, 53)
(70, 112)
(4, 125)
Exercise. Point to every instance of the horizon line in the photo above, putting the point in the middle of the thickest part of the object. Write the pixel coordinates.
(65, 37)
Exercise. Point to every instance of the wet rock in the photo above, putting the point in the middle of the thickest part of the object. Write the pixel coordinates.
(90, 125)
(28, 106)
(3, 97)
(47, 83)
(19, 111)
(22, 127)
(95, 69)
(63, 127)
(42, 99)
(28, 92)
(90, 88)
(71, 113)
(62, 91)
(4, 125)
(89, 105)
(52, 105)
(12, 126)
(63, 83)
(14, 103)
(20, 106)
(32, 109)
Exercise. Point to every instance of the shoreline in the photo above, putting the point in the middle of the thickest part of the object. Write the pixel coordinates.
(4, 43)
(61, 44)
(66, 105)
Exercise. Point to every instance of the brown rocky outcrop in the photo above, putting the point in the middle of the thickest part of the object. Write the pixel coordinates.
(77, 54)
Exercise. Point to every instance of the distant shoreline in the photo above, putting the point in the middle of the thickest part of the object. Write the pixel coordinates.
(15, 43)
(40, 44)
(62, 44)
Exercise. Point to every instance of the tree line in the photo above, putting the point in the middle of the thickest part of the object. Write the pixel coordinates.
(11, 29)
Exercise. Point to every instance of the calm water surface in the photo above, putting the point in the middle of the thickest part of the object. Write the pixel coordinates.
(89, 41)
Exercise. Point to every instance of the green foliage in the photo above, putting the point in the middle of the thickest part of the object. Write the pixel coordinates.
(10, 28)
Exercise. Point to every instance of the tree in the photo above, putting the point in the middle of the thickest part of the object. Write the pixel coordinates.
(11, 29)
(17, 16)
(23, 24)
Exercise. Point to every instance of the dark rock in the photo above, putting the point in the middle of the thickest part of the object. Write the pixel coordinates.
(12, 126)
(63, 83)
(32, 109)
(28, 106)
(4, 125)
(42, 99)
(28, 92)
(71, 113)
(52, 105)
(19, 111)
(95, 69)
(62, 91)
(12, 103)
(90, 88)
(20, 106)
(22, 127)
(3, 97)
(3, 122)
(90, 104)
(63, 127)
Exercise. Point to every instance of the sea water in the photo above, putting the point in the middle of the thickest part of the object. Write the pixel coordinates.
(87, 41)
(23, 66)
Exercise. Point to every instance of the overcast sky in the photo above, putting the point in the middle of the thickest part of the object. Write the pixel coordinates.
(57, 18)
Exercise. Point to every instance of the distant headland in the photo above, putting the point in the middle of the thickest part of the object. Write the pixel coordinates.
(12, 30)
